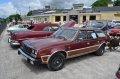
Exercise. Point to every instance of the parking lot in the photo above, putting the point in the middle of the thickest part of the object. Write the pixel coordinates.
(13, 66)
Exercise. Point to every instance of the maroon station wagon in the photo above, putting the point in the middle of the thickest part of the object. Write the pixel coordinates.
(40, 30)
(63, 44)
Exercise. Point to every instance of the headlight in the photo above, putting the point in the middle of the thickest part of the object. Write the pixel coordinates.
(34, 51)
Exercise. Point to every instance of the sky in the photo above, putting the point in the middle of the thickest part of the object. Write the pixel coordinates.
(8, 7)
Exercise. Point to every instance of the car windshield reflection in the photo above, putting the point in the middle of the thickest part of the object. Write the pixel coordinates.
(65, 33)
(97, 24)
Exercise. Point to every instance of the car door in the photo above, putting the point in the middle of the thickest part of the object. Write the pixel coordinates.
(79, 45)
(92, 41)
(102, 37)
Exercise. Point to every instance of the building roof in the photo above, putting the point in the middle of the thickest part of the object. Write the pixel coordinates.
(48, 11)
(106, 9)
(80, 5)
(85, 10)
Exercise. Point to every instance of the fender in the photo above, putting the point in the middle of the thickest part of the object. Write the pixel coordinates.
(53, 51)
(103, 43)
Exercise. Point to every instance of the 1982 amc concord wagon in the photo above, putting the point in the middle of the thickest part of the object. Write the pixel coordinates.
(63, 44)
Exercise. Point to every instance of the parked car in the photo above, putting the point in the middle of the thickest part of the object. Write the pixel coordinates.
(118, 73)
(18, 27)
(115, 22)
(63, 44)
(100, 24)
(115, 31)
(43, 30)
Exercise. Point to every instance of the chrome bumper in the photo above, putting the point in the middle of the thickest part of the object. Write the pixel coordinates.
(13, 42)
(28, 58)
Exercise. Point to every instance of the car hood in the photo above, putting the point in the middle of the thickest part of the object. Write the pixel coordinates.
(39, 44)
(29, 33)
(25, 32)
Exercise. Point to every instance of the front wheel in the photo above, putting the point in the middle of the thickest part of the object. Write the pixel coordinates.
(100, 51)
(56, 62)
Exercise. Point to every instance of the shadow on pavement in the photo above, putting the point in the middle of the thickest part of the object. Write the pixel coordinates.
(79, 58)
(40, 68)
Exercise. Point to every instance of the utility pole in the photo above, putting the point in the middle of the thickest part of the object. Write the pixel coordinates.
(29, 8)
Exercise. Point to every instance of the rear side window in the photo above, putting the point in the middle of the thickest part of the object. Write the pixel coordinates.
(100, 34)
(82, 35)
(91, 35)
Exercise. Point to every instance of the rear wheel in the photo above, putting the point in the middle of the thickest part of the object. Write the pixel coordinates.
(56, 62)
(100, 51)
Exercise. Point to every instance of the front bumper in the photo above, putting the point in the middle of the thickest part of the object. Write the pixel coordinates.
(13, 42)
(28, 58)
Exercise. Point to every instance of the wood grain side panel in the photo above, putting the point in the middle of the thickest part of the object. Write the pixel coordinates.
(82, 51)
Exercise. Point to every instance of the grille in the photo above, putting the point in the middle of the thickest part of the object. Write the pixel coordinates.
(26, 49)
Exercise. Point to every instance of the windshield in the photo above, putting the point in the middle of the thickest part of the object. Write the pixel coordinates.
(65, 33)
(97, 24)
(117, 26)
(117, 22)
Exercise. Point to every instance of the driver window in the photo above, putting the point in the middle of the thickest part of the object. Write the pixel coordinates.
(82, 36)
(92, 35)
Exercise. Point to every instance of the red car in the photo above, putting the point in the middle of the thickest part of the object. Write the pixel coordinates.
(63, 44)
(115, 31)
(100, 24)
(40, 30)
(118, 73)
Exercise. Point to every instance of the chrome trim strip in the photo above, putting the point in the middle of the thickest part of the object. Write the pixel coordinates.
(80, 54)
(25, 55)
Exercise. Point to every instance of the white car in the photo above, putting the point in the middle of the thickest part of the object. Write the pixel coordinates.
(18, 27)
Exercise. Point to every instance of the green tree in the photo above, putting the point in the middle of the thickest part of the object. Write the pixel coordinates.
(99, 3)
(29, 13)
(117, 2)
(16, 17)
(2, 20)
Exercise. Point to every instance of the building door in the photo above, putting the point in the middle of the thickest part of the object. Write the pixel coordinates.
(73, 17)
(84, 19)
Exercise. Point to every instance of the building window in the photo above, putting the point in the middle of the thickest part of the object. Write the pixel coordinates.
(39, 19)
(57, 18)
(45, 19)
(93, 17)
(64, 18)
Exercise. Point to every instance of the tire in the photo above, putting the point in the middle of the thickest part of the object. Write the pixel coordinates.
(100, 51)
(56, 62)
